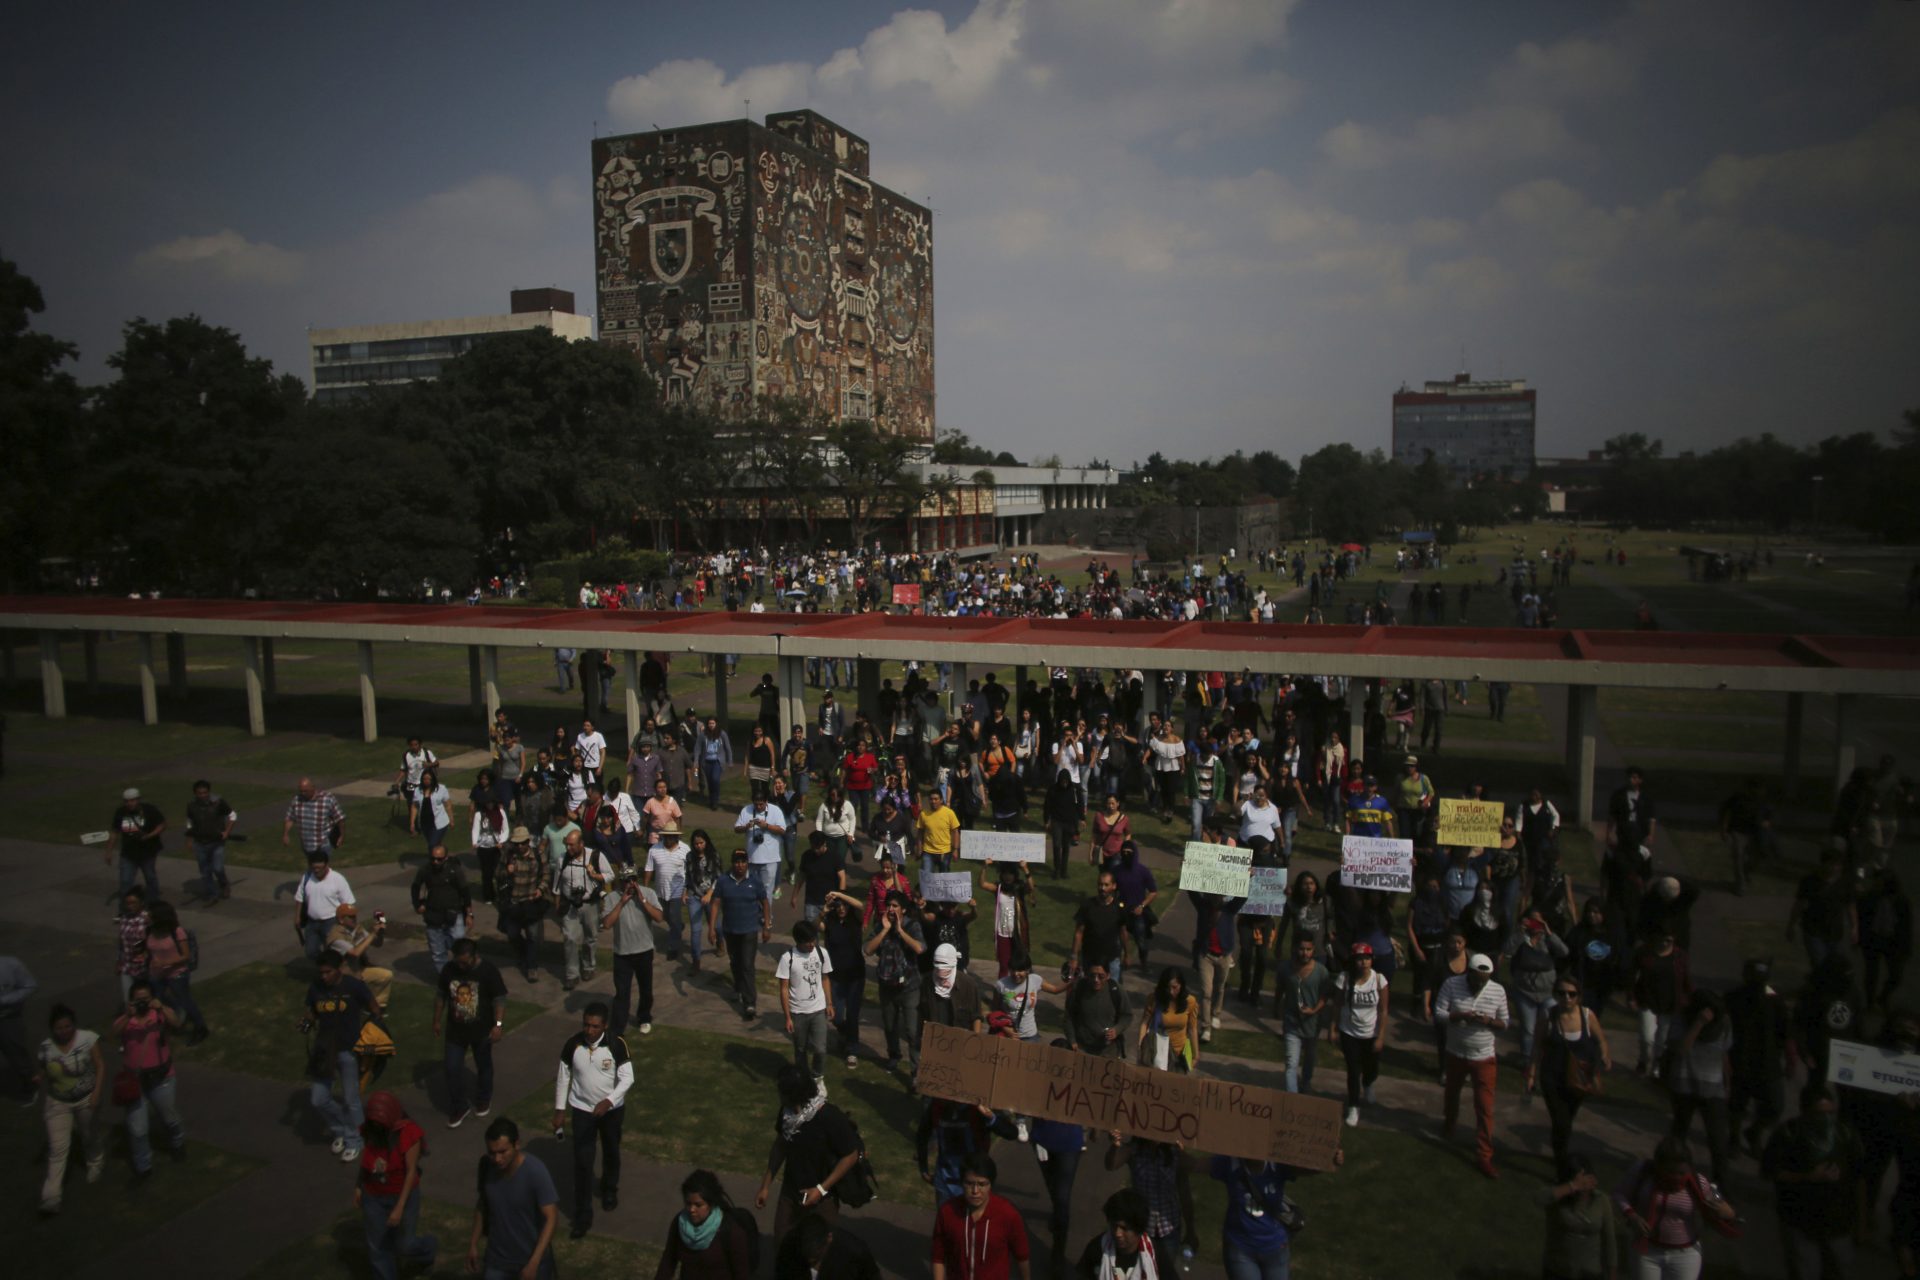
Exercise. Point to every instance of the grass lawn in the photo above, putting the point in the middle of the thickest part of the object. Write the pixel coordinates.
(340, 1249)
(253, 1009)
(97, 1220)
(709, 1104)
(32, 817)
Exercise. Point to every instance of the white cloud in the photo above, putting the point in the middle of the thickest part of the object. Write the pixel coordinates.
(226, 256)
(1580, 67)
(694, 91)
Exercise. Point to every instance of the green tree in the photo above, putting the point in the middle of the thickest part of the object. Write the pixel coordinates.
(40, 421)
(176, 446)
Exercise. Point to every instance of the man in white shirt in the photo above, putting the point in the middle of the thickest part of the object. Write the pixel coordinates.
(667, 865)
(590, 1096)
(765, 828)
(1472, 1006)
(593, 748)
(578, 883)
(806, 993)
(319, 897)
(1260, 818)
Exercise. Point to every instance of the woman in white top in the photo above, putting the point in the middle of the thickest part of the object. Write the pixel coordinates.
(1330, 775)
(837, 820)
(489, 834)
(1361, 1025)
(436, 809)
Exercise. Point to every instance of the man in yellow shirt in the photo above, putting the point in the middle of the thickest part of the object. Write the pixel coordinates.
(939, 830)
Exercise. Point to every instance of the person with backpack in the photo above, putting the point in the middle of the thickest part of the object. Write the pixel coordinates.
(590, 1094)
(1663, 1202)
(805, 977)
(387, 1190)
(815, 1147)
(818, 1248)
(947, 1134)
(710, 1238)
(173, 954)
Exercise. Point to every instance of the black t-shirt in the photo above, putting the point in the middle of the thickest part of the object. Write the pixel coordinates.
(1103, 923)
(469, 995)
(817, 1146)
(948, 929)
(1824, 914)
(206, 819)
(821, 873)
(133, 826)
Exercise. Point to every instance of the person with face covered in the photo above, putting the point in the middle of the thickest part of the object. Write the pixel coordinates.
(387, 1191)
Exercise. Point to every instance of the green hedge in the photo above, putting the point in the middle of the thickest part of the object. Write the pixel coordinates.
(558, 581)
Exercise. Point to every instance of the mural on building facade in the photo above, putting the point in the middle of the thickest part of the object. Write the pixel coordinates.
(738, 263)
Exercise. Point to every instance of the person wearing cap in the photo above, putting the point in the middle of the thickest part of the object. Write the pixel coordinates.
(443, 902)
(1413, 797)
(133, 832)
(387, 1191)
(1362, 1025)
(629, 914)
(1370, 814)
(1472, 1007)
(667, 865)
(524, 879)
(1534, 958)
(348, 940)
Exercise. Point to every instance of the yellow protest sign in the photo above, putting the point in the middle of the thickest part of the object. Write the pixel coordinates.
(1471, 822)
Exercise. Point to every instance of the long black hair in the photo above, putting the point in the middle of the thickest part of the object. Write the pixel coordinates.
(1163, 990)
(703, 1183)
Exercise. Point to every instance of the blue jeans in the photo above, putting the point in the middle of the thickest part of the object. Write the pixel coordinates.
(313, 937)
(455, 1062)
(147, 868)
(1289, 823)
(160, 1099)
(1274, 1264)
(769, 873)
(675, 911)
(1057, 1171)
(177, 994)
(1301, 1051)
(211, 855)
(1334, 803)
(711, 771)
(434, 836)
(440, 942)
(696, 915)
(1202, 810)
(388, 1247)
(1527, 1012)
(343, 1115)
(846, 1012)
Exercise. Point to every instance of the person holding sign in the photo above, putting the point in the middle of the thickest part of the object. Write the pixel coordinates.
(1255, 1242)
(1362, 1026)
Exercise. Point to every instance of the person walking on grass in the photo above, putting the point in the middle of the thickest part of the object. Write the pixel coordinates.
(1472, 1007)
(815, 1145)
(524, 881)
(629, 916)
(387, 1190)
(1301, 996)
(1663, 1202)
(470, 1009)
(745, 920)
(805, 975)
(338, 1008)
(1255, 1243)
(1362, 1026)
(590, 1096)
(708, 1239)
(895, 941)
(1124, 1248)
(518, 1211)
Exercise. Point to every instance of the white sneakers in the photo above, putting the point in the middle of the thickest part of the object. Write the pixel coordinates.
(1353, 1117)
(646, 1028)
(1216, 1022)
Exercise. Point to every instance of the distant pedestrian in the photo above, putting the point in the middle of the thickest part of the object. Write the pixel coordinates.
(317, 899)
(319, 820)
(210, 822)
(134, 832)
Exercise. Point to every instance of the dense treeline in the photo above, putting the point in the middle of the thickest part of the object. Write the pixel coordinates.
(199, 470)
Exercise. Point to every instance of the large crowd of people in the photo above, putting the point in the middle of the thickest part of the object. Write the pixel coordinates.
(632, 847)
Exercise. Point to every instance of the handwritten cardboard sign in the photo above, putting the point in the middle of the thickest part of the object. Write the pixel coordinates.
(1470, 822)
(1267, 892)
(1216, 868)
(1036, 1079)
(1371, 862)
(1005, 846)
(946, 886)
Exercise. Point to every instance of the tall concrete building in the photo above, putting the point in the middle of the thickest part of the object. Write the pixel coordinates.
(1474, 429)
(740, 260)
(348, 362)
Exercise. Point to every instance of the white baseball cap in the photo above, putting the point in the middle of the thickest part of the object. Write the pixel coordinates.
(1480, 963)
(946, 956)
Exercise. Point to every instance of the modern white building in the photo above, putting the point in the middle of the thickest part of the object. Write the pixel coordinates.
(349, 361)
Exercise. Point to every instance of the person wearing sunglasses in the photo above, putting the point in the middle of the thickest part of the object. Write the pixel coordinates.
(1569, 1054)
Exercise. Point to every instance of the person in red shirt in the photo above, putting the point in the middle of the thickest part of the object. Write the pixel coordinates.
(977, 1235)
(856, 775)
(388, 1192)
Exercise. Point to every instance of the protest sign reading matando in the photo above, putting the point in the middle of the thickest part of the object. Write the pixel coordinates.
(1030, 1078)
(1371, 862)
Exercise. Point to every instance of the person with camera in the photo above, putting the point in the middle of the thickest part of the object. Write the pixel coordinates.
(146, 1028)
(348, 940)
(630, 913)
(579, 882)
(895, 941)
(765, 828)
(524, 881)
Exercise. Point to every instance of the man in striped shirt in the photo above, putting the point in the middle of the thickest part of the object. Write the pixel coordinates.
(1472, 1006)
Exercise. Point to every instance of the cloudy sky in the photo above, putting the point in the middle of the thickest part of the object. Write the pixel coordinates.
(1193, 225)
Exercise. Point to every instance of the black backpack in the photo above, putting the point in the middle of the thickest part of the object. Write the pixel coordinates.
(747, 1223)
(858, 1188)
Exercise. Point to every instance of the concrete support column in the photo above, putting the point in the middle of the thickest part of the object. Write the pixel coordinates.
(177, 665)
(1583, 748)
(256, 686)
(149, 687)
(957, 689)
(1357, 691)
(866, 674)
(90, 649)
(269, 679)
(720, 689)
(1796, 723)
(490, 680)
(631, 661)
(476, 699)
(790, 674)
(369, 710)
(53, 682)
(1845, 750)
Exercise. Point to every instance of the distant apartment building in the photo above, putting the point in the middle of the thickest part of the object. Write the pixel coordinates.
(348, 362)
(1473, 429)
(739, 261)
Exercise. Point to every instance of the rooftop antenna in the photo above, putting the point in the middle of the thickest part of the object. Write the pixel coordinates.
(748, 104)
(1463, 357)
